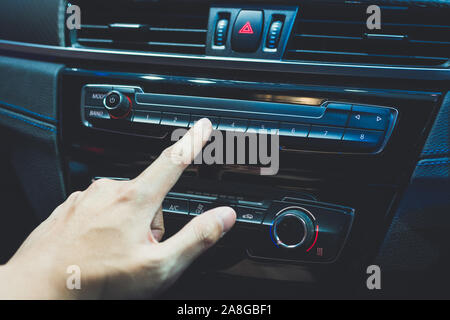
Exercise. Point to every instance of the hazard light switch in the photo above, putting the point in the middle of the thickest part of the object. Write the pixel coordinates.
(247, 31)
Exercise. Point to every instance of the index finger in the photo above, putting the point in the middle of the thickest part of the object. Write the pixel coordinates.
(165, 171)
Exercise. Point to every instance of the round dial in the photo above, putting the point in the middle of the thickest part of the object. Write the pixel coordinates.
(117, 104)
(293, 228)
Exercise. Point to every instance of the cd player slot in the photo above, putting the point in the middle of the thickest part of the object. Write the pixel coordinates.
(226, 107)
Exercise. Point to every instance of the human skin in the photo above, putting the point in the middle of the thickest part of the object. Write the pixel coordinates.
(112, 231)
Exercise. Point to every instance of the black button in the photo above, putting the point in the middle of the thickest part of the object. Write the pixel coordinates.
(232, 124)
(197, 207)
(146, 123)
(100, 118)
(249, 215)
(328, 133)
(94, 95)
(220, 36)
(363, 139)
(112, 100)
(195, 118)
(175, 119)
(273, 36)
(263, 127)
(294, 130)
(336, 114)
(247, 31)
(96, 114)
(180, 206)
(291, 230)
(147, 117)
(369, 118)
(339, 106)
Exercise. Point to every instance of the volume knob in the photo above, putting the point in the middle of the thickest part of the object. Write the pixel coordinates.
(293, 228)
(117, 104)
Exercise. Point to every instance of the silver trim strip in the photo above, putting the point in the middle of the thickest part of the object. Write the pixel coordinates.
(70, 53)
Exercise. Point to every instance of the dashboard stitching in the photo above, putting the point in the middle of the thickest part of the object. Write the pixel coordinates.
(436, 151)
(17, 117)
(8, 105)
(432, 163)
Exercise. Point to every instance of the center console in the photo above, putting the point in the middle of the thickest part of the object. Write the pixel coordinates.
(345, 151)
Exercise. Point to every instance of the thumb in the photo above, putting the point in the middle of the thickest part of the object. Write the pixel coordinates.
(198, 235)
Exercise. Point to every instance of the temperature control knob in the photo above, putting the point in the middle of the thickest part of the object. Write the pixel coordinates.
(117, 104)
(293, 228)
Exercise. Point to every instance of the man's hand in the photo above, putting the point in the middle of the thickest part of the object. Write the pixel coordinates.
(112, 231)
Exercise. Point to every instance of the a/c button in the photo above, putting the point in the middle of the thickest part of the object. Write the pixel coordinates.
(180, 206)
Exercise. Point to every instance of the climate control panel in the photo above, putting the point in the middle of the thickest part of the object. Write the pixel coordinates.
(290, 229)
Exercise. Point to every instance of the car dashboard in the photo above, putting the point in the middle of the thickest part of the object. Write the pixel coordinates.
(360, 117)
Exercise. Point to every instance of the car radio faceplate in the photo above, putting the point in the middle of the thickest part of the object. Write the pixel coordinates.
(330, 127)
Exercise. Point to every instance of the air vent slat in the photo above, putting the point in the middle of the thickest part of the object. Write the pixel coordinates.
(338, 33)
(143, 26)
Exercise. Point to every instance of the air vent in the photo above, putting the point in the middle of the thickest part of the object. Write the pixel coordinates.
(338, 33)
(140, 26)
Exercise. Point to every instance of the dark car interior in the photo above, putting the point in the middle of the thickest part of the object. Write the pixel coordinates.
(362, 115)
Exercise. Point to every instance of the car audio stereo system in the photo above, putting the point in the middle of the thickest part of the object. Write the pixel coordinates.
(331, 127)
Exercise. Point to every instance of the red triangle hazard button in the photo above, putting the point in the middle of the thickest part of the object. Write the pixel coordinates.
(246, 29)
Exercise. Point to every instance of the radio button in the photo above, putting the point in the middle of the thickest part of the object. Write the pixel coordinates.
(94, 96)
(175, 119)
(263, 127)
(294, 130)
(369, 118)
(328, 133)
(232, 124)
(195, 118)
(96, 114)
(147, 117)
(363, 139)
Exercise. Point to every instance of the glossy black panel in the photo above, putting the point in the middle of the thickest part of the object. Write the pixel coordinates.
(367, 183)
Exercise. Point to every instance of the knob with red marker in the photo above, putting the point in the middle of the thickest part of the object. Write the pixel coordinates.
(117, 104)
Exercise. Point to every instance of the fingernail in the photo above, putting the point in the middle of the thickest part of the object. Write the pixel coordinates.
(204, 122)
(227, 216)
(205, 126)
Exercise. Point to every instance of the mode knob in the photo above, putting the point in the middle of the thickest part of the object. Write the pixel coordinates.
(117, 104)
(293, 228)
